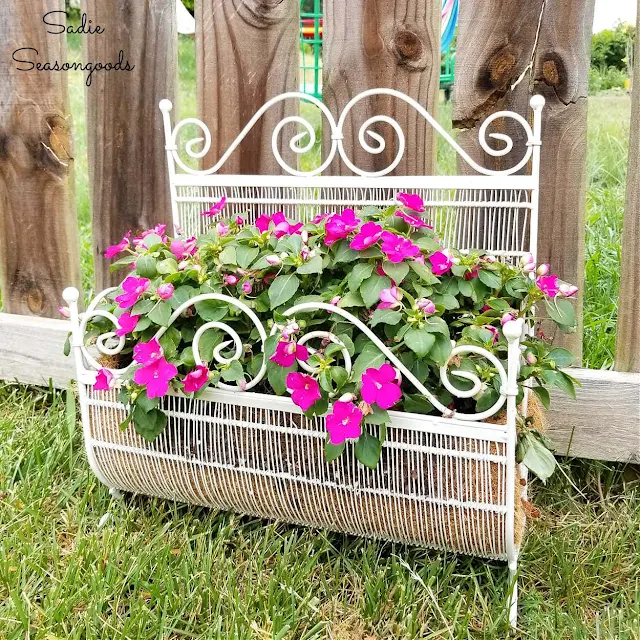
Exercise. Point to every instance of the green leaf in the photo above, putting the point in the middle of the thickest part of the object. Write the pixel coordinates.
(160, 314)
(228, 256)
(428, 244)
(211, 310)
(319, 408)
(246, 255)
(560, 380)
(370, 289)
(142, 307)
(538, 459)
(151, 240)
(234, 372)
(368, 450)
(466, 288)
(209, 340)
(67, 345)
(419, 341)
(339, 375)
(145, 403)
(423, 272)
(385, 316)
(344, 253)
(435, 324)
(490, 279)
(379, 416)
(313, 266)
(562, 357)
(359, 274)
(148, 424)
(561, 311)
(181, 295)
(186, 357)
(371, 356)
(417, 404)
(283, 288)
(487, 400)
(446, 300)
(169, 265)
(396, 271)
(351, 299)
(332, 451)
(441, 349)
(146, 266)
(499, 304)
(543, 394)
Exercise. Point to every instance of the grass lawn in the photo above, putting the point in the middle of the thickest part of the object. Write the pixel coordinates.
(75, 564)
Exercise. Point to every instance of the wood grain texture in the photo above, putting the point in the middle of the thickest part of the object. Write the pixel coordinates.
(247, 53)
(561, 75)
(38, 229)
(127, 161)
(496, 41)
(603, 423)
(628, 329)
(378, 43)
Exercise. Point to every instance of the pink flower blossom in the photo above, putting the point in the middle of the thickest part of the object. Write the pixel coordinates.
(548, 285)
(470, 275)
(290, 330)
(426, 306)
(104, 380)
(239, 221)
(182, 249)
(335, 300)
(146, 353)
(305, 390)
(273, 260)
(158, 230)
(165, 291)
(156, 377)
(115, 249)
(379, 269)
(378, 386)
(133, 289)
(127, 323)
(287, 353)
(528, 263)
(413, 221)
(397, 248)
(441, 261)
(64, 312)
(196, 379)
(390, 298)
(222, 228)
(368, 235)
(320, 217)
(542, 270)
(340, 225)
(507, 317)
(262, 222)
(493, 331)
(229, 279)
(343, 423)
(283, 227)
(568, 290)
(216, 208)
(411, 201)
(247, 287)
(419, 258)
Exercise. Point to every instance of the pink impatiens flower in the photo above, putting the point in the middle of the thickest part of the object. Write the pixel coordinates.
(65, 312)
(378, 386)
(282, 227)
(413, 221)
(165, 291)
(390, 298)
(115, 249)
(247, 287)
(508, 316)
(182, 249)
(305, 390)
(287, 353)
(104, 380)
(262, 222)
(340, 225)
(216, 208)
(426, 306)
(441, 261)
(127, 323)
(368, 235)
(397, 248)
(493, 331)
(222, 228)
(411, 201)
(528, 263)
(568, 290)
(229, 279)
(343, 423)
(548, 285)
(133, 288)
(196, 379)
(156, 377)
(158, 230)
(146, 353)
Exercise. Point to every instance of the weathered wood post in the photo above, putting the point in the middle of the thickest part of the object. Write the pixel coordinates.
(127, 161)
(38, 228)
(375, 43)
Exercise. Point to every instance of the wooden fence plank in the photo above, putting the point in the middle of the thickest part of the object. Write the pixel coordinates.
(377, 43)
(38, 228)
(561, 75)
(628, 329)
(247, 52)
(601, 424)
(127, 161)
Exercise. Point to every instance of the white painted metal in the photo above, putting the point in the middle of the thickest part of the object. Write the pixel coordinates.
(446, 482)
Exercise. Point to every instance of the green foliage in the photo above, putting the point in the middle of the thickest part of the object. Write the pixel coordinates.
(610, 47)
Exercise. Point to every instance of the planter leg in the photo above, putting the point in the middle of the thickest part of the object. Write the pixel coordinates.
(513, 596)
(116, 494)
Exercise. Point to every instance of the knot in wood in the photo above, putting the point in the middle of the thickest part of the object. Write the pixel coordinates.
(264, 13)
(550, 72)
(501, 67)
(409, 49)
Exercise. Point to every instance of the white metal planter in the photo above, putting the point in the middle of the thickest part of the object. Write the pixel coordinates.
(446, 482)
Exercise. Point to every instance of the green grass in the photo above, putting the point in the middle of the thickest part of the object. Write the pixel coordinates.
(160, 570)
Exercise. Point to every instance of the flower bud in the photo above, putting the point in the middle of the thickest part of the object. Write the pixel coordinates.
(507, 317)
(304, 234)
(542, 270)
(334, 301)
(530, 357)
(480, 393)
(273, 260)
(347, 397)
(64, 312)
(230, 279)
(425, 305)
(568, 290)
(247, 287)
(222, 229)
(165, 291)
(284, 255)
(240, 221)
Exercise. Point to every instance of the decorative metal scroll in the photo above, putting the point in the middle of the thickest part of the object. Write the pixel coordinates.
(102, 345)
(371, 141)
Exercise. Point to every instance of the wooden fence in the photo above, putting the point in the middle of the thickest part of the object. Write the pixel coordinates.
(246, 52)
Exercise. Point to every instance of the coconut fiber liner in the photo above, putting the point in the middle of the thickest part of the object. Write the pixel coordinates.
(270, 463)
